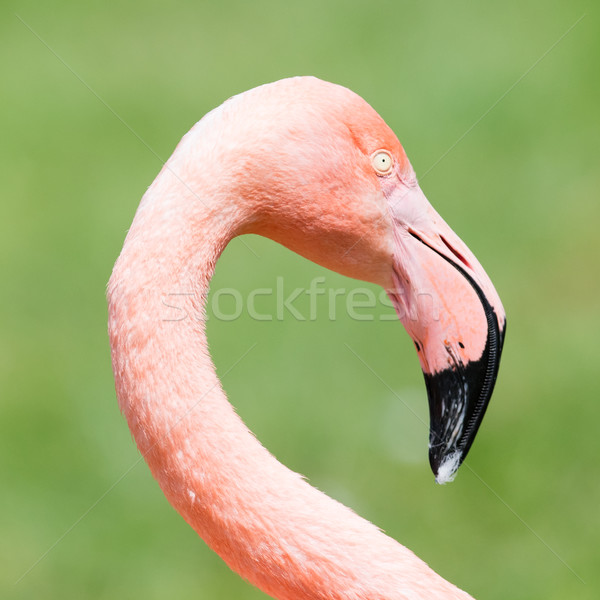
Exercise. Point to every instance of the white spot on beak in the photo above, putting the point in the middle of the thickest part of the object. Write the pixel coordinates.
(448, 468)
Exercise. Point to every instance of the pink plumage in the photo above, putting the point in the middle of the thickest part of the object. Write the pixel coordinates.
(312, 166)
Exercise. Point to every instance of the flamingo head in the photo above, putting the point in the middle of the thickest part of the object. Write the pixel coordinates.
(328, 178)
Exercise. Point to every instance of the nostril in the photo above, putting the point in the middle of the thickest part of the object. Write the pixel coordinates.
(411, 232)
(458, 255)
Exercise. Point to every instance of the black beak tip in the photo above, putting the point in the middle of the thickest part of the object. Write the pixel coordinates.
(458, 398)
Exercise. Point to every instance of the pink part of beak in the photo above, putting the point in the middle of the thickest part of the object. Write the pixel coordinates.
(451, 310)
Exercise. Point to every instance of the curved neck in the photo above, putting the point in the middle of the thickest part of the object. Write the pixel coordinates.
(265, 521)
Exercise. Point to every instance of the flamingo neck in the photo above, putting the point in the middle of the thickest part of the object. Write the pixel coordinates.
(264, 520)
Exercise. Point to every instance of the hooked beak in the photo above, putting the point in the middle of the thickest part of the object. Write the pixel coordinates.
(450, 308)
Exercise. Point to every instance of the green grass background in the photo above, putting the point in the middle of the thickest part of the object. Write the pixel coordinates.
(499, 115)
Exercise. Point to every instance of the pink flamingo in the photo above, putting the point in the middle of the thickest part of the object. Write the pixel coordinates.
(310, 165)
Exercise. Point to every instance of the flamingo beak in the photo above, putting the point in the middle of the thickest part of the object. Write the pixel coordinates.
(450, 308)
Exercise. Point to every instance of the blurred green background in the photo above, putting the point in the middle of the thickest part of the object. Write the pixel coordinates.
(98, 97)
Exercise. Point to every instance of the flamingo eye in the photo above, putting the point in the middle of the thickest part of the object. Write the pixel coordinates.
(382, 162)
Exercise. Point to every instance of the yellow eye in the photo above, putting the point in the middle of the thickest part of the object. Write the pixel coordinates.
(382, 162)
